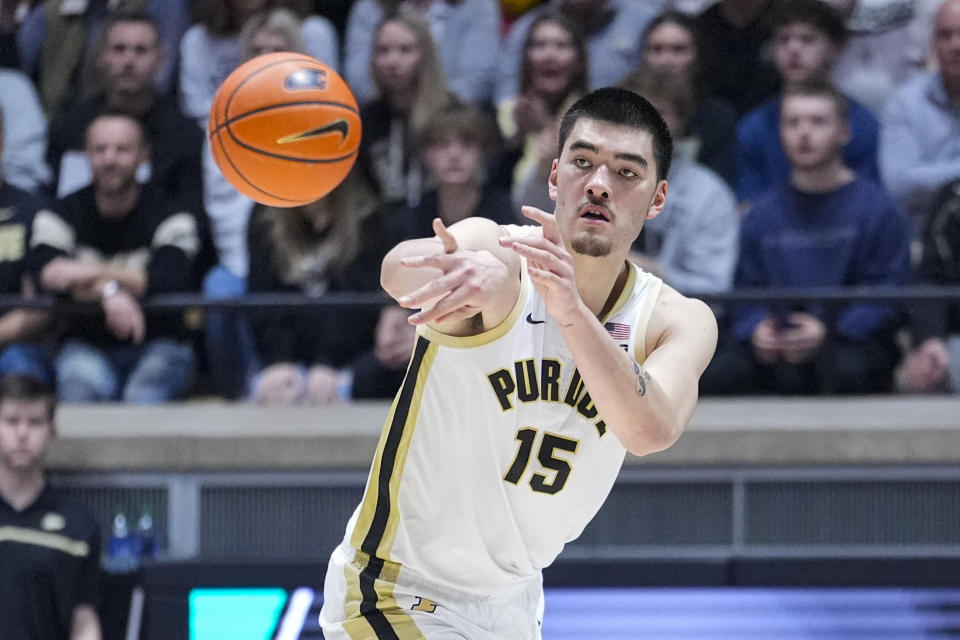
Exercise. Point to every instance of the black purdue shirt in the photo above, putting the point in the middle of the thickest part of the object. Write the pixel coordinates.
(49, 565)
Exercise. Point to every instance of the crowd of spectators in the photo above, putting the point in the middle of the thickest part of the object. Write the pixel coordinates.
(817, 144)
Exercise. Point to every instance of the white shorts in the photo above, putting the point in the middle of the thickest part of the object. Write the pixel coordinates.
(364, 600)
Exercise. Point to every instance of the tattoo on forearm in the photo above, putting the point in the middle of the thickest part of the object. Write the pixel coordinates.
(642, 379)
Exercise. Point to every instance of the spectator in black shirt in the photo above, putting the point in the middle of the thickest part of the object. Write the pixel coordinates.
(49, 544)
(113, 243)
(129, 60)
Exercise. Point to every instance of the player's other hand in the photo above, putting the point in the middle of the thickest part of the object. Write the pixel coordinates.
(469, 281)
(549, 265)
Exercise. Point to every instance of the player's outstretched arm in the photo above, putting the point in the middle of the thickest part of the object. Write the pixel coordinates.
(647, 406)
(459, 274)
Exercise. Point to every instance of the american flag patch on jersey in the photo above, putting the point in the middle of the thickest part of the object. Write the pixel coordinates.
(617, 330)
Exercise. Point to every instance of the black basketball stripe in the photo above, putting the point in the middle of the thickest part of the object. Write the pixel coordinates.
(368, 606)
(281, 105)
(247, 180)
(378, 525)
(280, 156)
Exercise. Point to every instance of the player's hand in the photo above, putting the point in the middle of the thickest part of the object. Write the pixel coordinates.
(470, 280)
(550, 266)
(281, 383)
(924, 370)
(803, 338)
(124, 317)
(765, 341)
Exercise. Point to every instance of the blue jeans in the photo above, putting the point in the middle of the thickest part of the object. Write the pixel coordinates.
(156, 371)
(27, 358)
(228, 337)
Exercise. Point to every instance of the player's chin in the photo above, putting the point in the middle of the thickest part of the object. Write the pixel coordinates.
(591, 244)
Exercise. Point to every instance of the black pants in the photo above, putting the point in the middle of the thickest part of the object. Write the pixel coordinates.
(844, 367)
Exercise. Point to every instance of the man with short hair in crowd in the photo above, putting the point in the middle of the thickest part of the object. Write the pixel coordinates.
(113, 243)
(49, 544)
(826, 227)
(808, 36)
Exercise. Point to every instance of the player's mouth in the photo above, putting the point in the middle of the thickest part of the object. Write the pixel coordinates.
(594, 213)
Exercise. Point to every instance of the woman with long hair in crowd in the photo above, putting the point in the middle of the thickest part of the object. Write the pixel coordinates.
(671, 42)
(412, 86)
(553, 74)
(334, 244)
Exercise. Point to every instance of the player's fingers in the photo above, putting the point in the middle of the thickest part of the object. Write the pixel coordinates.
(431, 290)
(547, 220)
(437, 260)
(543, 276)
(540, 258)
(449, 242)
(538, 242)
(444, 306)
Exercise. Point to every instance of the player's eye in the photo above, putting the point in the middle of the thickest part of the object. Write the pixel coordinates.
(581, 162)
(626, 172)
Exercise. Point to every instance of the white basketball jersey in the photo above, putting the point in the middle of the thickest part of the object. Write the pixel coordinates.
(493, 456)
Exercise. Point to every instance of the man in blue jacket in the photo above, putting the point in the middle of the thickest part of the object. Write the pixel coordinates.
(827, 227)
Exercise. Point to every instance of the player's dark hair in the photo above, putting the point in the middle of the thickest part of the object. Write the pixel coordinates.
(820, 88)
(815, 13)
(23, 387)
(622, 107)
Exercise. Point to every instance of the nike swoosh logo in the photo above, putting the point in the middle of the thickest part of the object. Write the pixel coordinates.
(532, 321)
(337, 126)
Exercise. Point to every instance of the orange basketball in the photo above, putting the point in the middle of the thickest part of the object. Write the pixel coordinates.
(284, 129)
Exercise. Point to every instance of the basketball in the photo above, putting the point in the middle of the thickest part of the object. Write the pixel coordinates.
(284, 129)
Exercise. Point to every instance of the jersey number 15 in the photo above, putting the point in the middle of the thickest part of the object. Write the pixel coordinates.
(550, 445)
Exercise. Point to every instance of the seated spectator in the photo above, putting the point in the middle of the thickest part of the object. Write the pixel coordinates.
(612, 31)
(228, 340)
(889, 43)
(321, 39)
(919, 145)
(412, 88)
(25, 133)
(456, 146)
(692, 243)
(735, 34)
(113, 243)
(22, 331)
(807, 37)
(828, 227)
(553, 71)
(933, 362)
(671, 42)
(466, 33)
(56, 38)
(211, 49)
(334, 244)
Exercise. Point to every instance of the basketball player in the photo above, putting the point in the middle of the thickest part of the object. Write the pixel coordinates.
(542, 356)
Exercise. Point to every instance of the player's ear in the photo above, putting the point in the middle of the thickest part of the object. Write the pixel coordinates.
(552, 181)
(658, 201)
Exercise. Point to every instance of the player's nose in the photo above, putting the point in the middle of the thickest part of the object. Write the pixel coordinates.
(598, 184)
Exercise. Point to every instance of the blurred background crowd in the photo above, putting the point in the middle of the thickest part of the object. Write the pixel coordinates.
(817, 144)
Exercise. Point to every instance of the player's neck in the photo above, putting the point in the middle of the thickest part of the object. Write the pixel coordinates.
(20, 489)
(823, 179)
(600, 281)
(457, 201)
